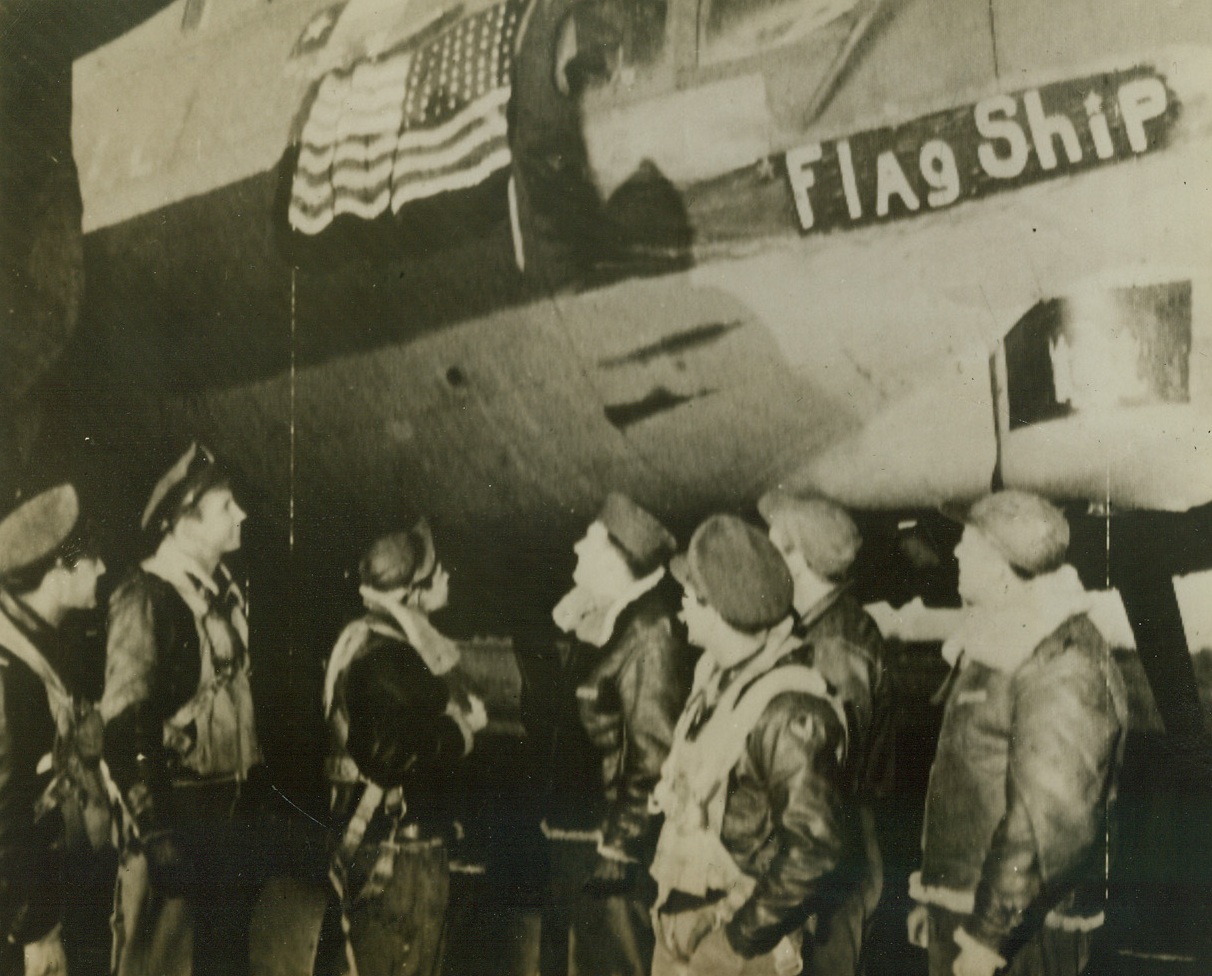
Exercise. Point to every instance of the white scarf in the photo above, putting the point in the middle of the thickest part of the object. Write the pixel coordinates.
(1002, 637)
(439, 652)
(185, 574)
(590, 617)
(221, 711)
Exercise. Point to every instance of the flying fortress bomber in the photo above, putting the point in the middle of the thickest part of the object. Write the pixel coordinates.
(488, 261)
(860, 297)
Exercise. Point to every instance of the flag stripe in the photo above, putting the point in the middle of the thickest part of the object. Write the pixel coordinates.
(494, 101)
(359, 178)
(458, 180)
(368, 153)
(312, 195)
(314, 163)
(407, 163)
(311, 211)
(367, 209)
(472, 159)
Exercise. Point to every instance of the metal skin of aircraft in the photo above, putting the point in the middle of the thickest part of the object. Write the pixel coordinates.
(835, 321)
(41, 282)
(893, 251)
(890, 251)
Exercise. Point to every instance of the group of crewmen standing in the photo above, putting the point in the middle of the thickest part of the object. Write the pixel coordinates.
(159, 769)
(736, 694)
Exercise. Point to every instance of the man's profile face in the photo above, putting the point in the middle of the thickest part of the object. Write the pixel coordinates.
(215, 523)
(797, 565)
(80, 582)
(983, 571)
(702, 622)
(600, 566)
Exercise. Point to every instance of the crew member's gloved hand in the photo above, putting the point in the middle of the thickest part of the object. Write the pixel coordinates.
(470, 717)
(975, 958)
(46, 957)
(476, 715)
(611, 877)
(168, 866)
(918, 923)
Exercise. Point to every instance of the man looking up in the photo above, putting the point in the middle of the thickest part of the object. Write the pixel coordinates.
(1016, 813)
(635, 675)
(180, 734)
(400, 721)
(819, 542)
(755, 809)
(48, 569)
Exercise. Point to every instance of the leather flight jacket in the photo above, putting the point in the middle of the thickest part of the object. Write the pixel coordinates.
(845, 645)
(629, 704)
(785, 822)
(1020, 790)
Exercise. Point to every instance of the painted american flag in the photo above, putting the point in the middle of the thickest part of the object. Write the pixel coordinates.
(412, 123)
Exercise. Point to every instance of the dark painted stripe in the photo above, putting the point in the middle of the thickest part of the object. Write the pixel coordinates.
(659, 401)
(671, 345)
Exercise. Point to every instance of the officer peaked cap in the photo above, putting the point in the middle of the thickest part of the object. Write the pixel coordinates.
(194, 473)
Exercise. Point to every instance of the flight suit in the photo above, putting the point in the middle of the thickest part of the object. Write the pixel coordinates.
(181, 742)
(756, 817)
(394, 751)
(843, 643)
(628, 702)
(1013, 844)
(34, 710)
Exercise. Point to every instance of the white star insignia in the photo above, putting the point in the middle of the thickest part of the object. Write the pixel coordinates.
(315, 31)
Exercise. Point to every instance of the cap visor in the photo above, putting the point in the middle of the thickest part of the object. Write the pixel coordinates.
(956, 511)
(771, 504)
(679, 566)
(422, 535)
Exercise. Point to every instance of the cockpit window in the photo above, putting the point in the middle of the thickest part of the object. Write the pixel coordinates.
(599, 37)
(647, 31)
(734, 29)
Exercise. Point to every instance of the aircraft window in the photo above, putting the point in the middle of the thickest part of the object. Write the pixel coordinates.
(733, 29)
(646, 31)
(598, 37)
(634, 30)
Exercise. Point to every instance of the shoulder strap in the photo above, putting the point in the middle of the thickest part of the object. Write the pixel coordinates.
(723, 737)
(23, 649)
(355, 830)
(352, 639)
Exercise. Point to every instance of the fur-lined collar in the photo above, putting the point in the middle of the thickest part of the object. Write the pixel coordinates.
(1005, 636)
(580, 612)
